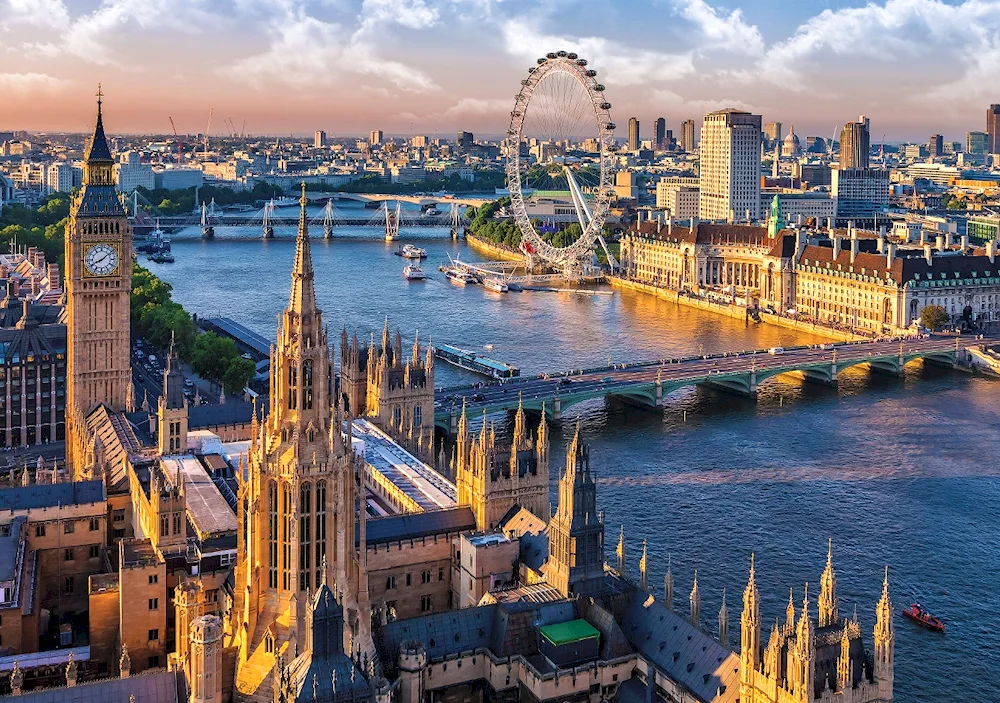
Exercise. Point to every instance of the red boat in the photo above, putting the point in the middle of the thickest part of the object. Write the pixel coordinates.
(917, 614)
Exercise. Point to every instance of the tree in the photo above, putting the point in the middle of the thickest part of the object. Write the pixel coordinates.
(240, 372)
(212, 356)
(933, 316)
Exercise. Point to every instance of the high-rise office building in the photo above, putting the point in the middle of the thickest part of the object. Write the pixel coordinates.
(975, 143)
(855, 144)
(861, 194)
(935, 145)
(376, 137)
(772, 134)
(319, 139)
(687, 136)
(730, 165)
(464, 140)
(633, 134)
(993, 130)
(660, 134)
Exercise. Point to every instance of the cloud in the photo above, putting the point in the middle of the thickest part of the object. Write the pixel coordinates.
(25, 83)
(309, 51)
(674, 102)
(41, 13)
(727, 32)
(622, 65)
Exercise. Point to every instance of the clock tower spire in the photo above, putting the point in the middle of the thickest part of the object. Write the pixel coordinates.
(98, 283)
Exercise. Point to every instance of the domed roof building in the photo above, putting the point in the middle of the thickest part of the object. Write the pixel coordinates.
(791, 145)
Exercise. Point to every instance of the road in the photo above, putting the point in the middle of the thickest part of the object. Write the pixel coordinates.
(607, 380)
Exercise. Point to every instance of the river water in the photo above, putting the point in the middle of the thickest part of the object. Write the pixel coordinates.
(901, 472)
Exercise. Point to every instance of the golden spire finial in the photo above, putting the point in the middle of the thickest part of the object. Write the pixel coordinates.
(303, 201)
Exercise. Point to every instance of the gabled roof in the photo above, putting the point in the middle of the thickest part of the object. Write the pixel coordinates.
(396, 528)
(148, 687)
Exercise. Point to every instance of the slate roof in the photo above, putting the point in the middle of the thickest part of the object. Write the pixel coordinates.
(35, 496)
(687, 655)
(909, 265)
(147, 687)
(395, 528)
(230, 413)
(99, 201)
(10, 544)
(440, 633)
(532, 533)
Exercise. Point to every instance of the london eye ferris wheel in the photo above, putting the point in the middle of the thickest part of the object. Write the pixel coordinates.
(560, 141)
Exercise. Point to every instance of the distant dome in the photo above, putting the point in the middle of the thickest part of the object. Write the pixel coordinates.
(791, 145)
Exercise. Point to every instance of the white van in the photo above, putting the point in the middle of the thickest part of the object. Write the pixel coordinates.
(774, 351)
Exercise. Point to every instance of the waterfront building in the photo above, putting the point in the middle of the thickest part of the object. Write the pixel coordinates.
(993, 129)
(633, 134)
(493, 480)
(855, 144)
(861, 194)
(687, 136)
(822, 660)
(394, 391)
(98, 284)
(730, 166)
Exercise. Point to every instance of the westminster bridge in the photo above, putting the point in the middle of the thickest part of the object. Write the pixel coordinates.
(649, 384)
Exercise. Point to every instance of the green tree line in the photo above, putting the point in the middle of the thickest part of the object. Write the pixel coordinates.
(485, 180)
(179, 202)
(160, 320)
(43, 227)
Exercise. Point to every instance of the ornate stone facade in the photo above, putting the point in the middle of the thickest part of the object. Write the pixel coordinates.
(98, 283)
(807, 661)
(298, 500)
(492, 480)
(396, 392)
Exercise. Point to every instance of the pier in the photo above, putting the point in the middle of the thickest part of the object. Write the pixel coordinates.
(649, 384)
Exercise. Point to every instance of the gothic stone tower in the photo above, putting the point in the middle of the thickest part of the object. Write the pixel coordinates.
(172, 410)
(98, 283)
(492, 481)
(804, 661)
(394, 390)
(299, 499)
(576, 532)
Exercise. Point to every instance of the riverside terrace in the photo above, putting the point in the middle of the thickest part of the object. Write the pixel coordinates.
(650, 383)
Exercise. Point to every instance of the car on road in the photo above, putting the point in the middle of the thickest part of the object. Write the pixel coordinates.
(775, 351)
(607, 379)
(478, 396)
(188, 383)
(565, 381)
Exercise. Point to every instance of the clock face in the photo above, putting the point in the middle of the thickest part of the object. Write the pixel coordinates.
(101, 260)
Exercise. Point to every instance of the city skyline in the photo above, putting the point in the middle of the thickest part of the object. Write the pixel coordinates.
(431, 67)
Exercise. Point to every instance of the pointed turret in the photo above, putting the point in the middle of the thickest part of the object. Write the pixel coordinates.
(415, 356)
(668, 586)
(844, 665)
(695, 601)
(385, 336)
(620, 553)
(303, 295)
(429, 356)
(724, 622)
(804, 631)
(643, 572)
(790, 609)
(520, 430)
(750, 626)
(884, 634)
(97, 155)
(828, 610)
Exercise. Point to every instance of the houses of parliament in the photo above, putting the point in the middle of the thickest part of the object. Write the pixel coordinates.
(269, 552)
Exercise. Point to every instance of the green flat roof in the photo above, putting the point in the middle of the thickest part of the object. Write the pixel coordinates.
(568, 632)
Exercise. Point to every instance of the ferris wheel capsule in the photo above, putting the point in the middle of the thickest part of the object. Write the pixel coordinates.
(571, 57)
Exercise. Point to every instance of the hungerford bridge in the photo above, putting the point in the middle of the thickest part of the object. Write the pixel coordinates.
(648, 384)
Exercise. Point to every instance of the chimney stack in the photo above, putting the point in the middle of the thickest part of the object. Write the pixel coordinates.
(670, 224)
(991, 250)
(881, 242)
(854, 248)
(829, 224)
(928, 254)
(965, 243)
(890, 255)
(923, 237)
(836, 246)
(941, 245)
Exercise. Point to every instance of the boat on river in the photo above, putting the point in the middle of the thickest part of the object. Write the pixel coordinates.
(459, 276)
(413, 272)
(919, 615)
(495, 284)
(408, 251)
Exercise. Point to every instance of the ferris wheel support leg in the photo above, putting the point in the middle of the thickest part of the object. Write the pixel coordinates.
(612, 262)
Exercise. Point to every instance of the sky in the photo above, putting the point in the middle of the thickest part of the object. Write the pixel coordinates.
(914, 67)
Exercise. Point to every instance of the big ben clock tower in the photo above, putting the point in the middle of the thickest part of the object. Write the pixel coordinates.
(98, 284)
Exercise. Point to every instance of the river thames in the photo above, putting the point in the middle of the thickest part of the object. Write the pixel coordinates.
(901, 472)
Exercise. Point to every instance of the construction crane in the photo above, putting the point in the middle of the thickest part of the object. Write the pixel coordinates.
(204, 153)
(177, 139)
(881, 149)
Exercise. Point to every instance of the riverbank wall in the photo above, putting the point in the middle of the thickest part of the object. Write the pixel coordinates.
(733, 311)
(494, 251)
